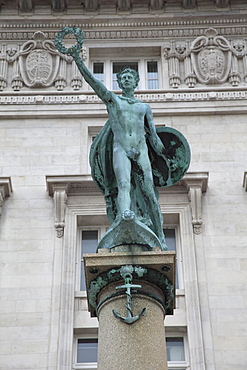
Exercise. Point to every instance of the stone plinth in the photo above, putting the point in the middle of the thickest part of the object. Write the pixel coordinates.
(139, 345)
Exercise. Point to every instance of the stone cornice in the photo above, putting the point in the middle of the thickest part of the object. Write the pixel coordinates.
(129, 29)
(162, 103)
(45, 97)
(60, 187)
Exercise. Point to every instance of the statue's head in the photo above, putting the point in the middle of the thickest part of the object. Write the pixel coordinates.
(134, 73)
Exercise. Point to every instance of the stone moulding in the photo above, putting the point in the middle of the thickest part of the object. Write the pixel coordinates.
(156, 97)
(196, 185)
(61, 187)
(5, 190)
(245, 181)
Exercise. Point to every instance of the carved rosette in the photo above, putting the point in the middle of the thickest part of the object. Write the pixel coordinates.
(211, 58)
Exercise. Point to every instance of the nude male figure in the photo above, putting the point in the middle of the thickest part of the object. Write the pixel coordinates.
(127, 115)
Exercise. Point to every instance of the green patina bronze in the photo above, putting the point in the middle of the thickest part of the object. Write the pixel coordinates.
(137, 273)
(127, 274)
(130, 158)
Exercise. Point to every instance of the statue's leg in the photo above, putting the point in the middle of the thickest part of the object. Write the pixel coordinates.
(122, 170)
(150, 197)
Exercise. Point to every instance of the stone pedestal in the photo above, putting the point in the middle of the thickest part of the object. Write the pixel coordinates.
(139, 345)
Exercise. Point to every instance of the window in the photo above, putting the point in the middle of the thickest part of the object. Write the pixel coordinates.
(152, 75)
(87, 348)
(176, 353)
(88, 239)
(89, 243)
(148, 70)
(98, 71)
(172, 239)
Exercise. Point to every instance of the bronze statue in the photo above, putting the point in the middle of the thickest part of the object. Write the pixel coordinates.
(129, 157)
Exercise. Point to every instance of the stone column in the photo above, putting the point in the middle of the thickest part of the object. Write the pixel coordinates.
(131, 293)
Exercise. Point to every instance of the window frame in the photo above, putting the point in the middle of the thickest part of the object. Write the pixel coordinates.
(101, 231)
(179, 365)
(82, 365)
(142, 69)
(179, 255)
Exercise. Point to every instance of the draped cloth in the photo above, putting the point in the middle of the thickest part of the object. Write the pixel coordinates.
(167, 170)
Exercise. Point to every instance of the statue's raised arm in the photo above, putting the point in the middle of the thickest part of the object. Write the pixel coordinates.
(103, 93)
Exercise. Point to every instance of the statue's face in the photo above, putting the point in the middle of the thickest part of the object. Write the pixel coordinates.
(128, 81)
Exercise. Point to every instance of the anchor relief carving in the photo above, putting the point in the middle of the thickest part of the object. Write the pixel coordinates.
(126, 273)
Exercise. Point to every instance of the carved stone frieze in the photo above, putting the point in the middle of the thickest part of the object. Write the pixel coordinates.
(5, 190)
(164, 96)
(196, 185)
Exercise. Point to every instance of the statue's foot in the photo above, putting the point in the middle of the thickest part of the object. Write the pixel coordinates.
(128, 215)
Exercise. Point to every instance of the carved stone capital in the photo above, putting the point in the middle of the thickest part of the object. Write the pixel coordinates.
(5, 190)
(196, 184)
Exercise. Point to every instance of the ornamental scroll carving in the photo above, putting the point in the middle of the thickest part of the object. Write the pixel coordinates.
(209, 59)
(37, 64)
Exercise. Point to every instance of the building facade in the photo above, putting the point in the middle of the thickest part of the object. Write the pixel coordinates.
(192, 59)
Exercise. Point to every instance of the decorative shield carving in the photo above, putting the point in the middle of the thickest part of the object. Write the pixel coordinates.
(211, 58)
(39, 62)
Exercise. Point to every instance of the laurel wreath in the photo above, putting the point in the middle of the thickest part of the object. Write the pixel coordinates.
(75, 49)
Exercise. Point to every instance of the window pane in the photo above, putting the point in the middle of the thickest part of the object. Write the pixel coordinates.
(98, 71)
(87, 350)
(175, 349)
(117, 67)
(170, 239)
(171, 244)
(152, 75)
(89, 245)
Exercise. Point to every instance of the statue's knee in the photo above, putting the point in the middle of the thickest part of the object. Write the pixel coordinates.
(124, 185)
